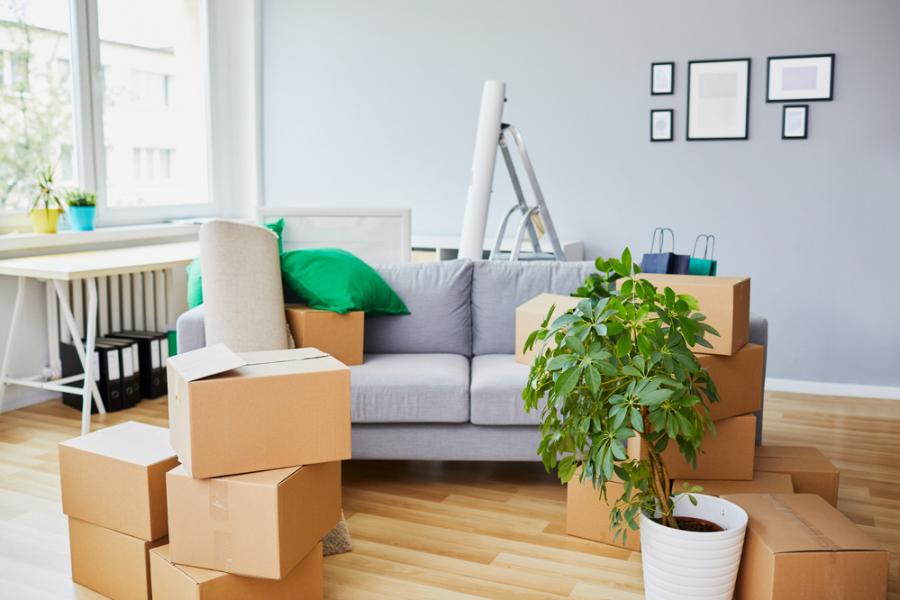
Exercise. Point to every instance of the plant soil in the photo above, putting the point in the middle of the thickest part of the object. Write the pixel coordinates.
(695, 524)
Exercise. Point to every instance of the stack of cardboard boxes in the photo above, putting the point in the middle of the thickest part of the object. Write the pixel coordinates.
(259, 438)
(794, 538)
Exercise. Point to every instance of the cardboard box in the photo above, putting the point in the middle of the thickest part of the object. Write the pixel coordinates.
(109, 562)
(587, 516)
(738, 379)
(257, 524)
(179, 582)
(339, 335)
(724, 300)
(726, 455)
(811, 472)
(261, 410)
(531, 314)
(762, 483)
(116, 478)
(799, 547)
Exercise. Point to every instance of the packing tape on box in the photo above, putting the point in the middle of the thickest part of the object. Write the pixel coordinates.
(218, 500)
(222, 557)
(817, 534)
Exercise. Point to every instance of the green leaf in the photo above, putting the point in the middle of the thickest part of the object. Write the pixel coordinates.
(636, 421)
(574, 344)
(623, 345)
(567, 382)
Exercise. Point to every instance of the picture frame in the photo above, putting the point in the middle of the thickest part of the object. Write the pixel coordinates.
(662, 124)
(794, 121)
(718, 100)
(800, 78)
(662, 78)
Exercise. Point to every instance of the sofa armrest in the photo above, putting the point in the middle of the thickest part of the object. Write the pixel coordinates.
(189, 330)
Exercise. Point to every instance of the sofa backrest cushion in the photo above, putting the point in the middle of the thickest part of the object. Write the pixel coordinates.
(499, 287)
(438, 296)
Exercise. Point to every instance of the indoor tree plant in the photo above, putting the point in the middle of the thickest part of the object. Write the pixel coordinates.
(616, 383)
(46, 206)
(81, 209)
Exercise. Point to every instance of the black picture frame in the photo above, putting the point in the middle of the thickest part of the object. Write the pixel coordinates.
(687, 120)
(771, 59)
(784, 112)
(653, 66)
(671, 112)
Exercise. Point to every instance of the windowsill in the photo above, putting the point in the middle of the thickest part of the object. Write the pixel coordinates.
(19, 244)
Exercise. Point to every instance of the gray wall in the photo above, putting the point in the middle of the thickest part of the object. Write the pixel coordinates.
(375, 102)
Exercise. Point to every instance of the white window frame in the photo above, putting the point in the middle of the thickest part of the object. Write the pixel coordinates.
(88, 145)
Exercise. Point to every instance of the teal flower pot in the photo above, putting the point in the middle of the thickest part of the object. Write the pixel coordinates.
(82, 217)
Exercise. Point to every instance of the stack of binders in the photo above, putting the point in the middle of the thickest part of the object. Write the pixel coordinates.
(113, 371)
(152, 351)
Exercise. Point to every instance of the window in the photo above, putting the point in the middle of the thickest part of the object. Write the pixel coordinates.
(142, 147)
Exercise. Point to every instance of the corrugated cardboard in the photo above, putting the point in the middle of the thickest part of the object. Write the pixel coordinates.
(179, 582)
(531, 314)
(587, 516)
(762, 483)
(724, 300)
(258, 524)
(811, 472)
(738, 379)
(116, 478)
(726, 455)
(339, 335)
(798, 547)
(111, 563)
(261, 410)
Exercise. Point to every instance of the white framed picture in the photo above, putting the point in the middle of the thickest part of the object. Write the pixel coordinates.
(662, 78)
(794, 120)
(806, 78)
(718, 99)
(661, 125)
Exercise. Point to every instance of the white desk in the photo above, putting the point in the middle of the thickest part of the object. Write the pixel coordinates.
(55, 270)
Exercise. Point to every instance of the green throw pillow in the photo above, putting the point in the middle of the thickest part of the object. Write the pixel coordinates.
(195, 281)
(336, 280)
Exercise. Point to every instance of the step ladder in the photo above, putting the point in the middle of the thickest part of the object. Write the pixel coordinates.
(535, 219)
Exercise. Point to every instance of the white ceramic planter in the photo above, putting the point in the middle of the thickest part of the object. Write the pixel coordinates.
(690, 564)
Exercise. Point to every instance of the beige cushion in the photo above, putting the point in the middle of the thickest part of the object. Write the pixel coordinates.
(242, 294)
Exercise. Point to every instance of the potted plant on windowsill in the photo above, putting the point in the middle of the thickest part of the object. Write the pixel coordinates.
(82, 206)
(46, 206)
(616, 383)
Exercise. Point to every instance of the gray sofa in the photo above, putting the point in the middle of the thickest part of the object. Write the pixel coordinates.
(441, 383)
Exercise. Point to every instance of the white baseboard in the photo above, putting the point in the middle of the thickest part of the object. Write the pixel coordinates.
(821, 388)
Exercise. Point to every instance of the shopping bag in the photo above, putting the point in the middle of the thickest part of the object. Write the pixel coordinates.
(707, 264)
(657, 261)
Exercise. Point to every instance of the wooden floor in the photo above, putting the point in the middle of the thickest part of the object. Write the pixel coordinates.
(449, 530)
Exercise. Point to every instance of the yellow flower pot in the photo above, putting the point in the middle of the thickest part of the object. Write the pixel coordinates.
(43, 220)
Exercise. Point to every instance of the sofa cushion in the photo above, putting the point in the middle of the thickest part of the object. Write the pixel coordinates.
(438, 296)
(496, 392)
(406, 388)
(499, 287)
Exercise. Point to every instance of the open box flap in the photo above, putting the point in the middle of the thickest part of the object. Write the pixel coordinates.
(205, 362)
(274, 356)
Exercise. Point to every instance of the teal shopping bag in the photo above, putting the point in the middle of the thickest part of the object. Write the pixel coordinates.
(707, 264)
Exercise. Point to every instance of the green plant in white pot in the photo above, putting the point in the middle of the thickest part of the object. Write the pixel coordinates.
(617, 373)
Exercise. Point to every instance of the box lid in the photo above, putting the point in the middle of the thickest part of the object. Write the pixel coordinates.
(801, 523)
(130, 442)
(664, 279)
(196, 574)
(269, 478)
(794, 458)
(542, 302)
(217, 359)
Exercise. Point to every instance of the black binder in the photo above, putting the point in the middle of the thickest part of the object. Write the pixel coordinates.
(152, 351)
(128, 355)
(107, 372)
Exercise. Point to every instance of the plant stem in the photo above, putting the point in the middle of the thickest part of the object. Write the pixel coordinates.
(659, 481)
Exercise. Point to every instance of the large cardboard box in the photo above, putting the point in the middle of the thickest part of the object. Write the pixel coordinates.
(587, 516)
(531, 314)
(724, 300)
(261, 410)
(109, 562)
(726, 455)
(762, 483)
(811, 472)
(179, 582)
(339, 335)
(257, 524)
(738, 379)
(116, 478)
(798, 547)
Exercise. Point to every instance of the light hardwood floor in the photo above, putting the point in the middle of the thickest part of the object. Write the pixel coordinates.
(449, 530)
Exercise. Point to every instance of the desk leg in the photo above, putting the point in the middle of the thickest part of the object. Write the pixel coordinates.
(17, 309)
(90, 336)
(76, 337)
